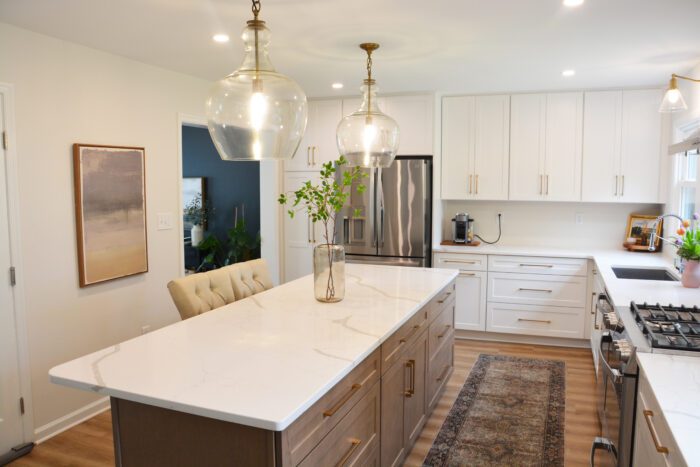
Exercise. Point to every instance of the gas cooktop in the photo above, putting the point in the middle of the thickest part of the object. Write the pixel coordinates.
(669, 327)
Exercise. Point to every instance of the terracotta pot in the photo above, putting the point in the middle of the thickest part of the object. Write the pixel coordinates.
(691, 275)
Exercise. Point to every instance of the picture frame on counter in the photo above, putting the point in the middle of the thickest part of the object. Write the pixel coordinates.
(639, 230)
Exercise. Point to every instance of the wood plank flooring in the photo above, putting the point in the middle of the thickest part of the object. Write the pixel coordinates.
(90, 443)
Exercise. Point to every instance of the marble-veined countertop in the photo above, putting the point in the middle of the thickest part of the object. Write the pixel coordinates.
(264, 360)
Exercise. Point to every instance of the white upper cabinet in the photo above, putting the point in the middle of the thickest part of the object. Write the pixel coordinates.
(475, 140)
(622, 146)
(414, 115)
(545, 146)
(319, 142)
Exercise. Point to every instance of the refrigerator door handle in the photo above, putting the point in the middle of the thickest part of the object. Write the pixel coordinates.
(380, 202)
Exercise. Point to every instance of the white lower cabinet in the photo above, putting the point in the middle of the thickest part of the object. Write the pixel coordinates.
(535, 320)
(470, 306)
(537, 289)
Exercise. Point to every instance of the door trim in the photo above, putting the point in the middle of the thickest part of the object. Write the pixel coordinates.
(8, 93)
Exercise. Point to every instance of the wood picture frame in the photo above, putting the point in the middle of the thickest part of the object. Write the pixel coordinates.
(639, 226)
(110, 212)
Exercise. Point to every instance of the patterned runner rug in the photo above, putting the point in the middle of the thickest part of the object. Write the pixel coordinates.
(509, 412)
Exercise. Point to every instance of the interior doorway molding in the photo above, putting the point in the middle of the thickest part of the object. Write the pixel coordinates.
(11, 166)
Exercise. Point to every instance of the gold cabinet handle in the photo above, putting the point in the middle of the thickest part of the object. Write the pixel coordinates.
(465, 273)
(313, 156)
(443, 374)
(622, 190)
(308, 156)
(411, 367)
(476, 184)
(546, 321)
(524, 289)
(546, 183)
(533, 265)
(617, 183)
(470, 184)
(458, 261)
(410, 334)
(648, 414)
(447, 328)
(354, 444)
(541, 184)
(446, 297)
(332, 411)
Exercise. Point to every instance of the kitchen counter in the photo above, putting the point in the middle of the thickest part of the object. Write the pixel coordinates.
(622, 291)
(264, 360)
(675, 382)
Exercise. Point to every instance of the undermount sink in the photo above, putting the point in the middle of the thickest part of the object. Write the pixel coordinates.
(647, 274)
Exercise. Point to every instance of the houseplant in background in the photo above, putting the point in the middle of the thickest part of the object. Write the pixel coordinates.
(238, 246)
(322, 203)
(197, 212)
(689, 250)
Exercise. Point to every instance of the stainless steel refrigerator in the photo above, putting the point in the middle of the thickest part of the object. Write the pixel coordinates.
(394, 222)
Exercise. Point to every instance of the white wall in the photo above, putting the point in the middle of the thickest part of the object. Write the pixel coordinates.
(66, 93)
(548, 223)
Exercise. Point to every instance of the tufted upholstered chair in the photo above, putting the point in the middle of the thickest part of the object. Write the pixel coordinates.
(202, 292)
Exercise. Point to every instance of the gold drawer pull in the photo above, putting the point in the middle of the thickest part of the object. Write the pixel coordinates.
(659, 448)
(330, 412)
(532, 265)
(465, 273)
(355, 443)
(444, 374)
(447, 328)
(521, 289)
(446, 297)
(546, 321)
(411, 366)
(410, 334)
(458, 261)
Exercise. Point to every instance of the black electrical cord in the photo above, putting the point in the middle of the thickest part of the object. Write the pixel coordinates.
(499, 233)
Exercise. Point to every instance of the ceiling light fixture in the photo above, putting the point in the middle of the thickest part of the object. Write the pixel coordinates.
(256, 113)
(220, 38)
(337, 85)
(368, 137)
(568, 73)
(573, 3)
(673, 99)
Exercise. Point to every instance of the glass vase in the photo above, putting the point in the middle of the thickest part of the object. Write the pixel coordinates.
(329, 273)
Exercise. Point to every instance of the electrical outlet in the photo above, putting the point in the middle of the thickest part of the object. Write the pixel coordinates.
(165, 221)
(145, 329)
(579, 218)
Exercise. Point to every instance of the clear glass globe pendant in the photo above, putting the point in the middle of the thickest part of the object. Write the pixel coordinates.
(368, 137)
(256, 113)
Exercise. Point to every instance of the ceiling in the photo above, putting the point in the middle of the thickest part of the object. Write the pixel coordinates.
(449, 46)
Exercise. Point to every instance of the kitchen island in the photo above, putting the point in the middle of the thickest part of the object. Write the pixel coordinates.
(281, 379)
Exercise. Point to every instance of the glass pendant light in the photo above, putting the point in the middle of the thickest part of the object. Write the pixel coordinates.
(368, 137)
(673, 99)
(256, 113)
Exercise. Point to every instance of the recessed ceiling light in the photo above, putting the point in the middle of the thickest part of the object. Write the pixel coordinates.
(573, 3)
(568, 73)
(221, 38)
(337, 85)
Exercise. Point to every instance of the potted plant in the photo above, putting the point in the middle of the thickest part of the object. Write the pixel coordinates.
(197, 213)
(322, 203)
(238, 246)
(689, 250)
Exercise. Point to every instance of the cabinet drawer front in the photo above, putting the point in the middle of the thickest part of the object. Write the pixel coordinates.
(355, 440)
(539, 265)
(443, 300)
(535, 320)
(310, 428)
(537, 289)
(440, 330)
(395, 346)
(461, 261)
(439, 370)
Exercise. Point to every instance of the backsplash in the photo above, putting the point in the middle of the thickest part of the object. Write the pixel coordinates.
(547, 223)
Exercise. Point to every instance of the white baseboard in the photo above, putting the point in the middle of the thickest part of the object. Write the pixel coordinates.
(62, 424)
(521, 339)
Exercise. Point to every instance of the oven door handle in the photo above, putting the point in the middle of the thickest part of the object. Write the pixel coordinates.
(615, 374)
(603, 444)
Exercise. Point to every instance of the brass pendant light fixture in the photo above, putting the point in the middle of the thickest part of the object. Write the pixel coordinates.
(368, 137)
(256, 113)
(673, 99)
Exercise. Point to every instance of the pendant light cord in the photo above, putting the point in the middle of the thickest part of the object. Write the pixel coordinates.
(256, 8)
(369, 81)
(256, 12)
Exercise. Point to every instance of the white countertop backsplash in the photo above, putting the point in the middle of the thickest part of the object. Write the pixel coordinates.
(264, 360)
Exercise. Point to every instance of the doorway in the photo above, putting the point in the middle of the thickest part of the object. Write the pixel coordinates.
(13, 413)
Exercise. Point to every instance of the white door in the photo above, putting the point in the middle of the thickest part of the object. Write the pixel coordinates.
(299, 232)
(470, 304)
(564, 132)
(11, 429)
(457, 147)
(491, 147)
(414, 115)
(602, 133)
(527, 146)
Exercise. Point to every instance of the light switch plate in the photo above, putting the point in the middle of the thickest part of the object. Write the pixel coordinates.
(165, 221)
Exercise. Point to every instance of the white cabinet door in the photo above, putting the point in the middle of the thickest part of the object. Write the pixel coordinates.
(527, 146)
(563, 146)
(457, 147)
(319, 142)
(470, 304)
(602, 136)
(641, 146)
(491, 147)
(414, 115)
(298, 232)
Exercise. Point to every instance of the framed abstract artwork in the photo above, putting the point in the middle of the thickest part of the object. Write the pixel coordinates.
(110, 212)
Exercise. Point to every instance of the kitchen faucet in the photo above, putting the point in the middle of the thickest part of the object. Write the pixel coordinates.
(652, 237)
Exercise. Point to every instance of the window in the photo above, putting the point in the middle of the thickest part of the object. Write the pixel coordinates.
(686, 183)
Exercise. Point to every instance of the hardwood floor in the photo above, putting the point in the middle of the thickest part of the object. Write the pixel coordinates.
(90, 443)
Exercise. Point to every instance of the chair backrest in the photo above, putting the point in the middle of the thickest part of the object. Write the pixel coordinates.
(205, 291)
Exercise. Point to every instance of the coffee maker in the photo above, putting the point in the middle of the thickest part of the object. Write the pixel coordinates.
(462, 228)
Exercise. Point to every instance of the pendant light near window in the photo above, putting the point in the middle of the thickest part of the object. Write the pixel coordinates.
(673, 99)
(256, 113)
(368, 137)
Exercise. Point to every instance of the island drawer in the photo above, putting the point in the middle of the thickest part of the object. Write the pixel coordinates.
(355, 440)
(442, 300)
(461, 261)
(552, 321)
(441, 329)
(539, 265)
(397, 343)
(311, 427)
(439, 370)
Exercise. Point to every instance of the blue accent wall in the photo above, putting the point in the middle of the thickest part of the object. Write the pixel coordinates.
(229, 184)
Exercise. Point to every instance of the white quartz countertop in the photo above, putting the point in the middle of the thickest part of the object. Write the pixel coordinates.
(264, 360)
(621, 291)
(675, 382)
